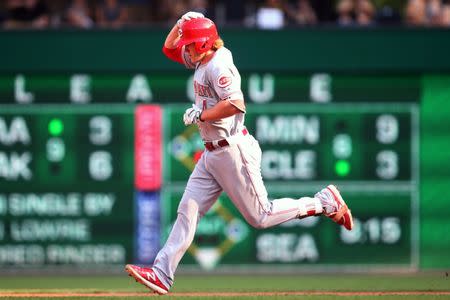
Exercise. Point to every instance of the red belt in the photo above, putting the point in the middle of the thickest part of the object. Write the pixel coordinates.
(221, 143)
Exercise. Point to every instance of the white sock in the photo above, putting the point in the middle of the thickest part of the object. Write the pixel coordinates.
(309, 207)
(326, 200)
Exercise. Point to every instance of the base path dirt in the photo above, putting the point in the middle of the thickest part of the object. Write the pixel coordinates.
(225, 294)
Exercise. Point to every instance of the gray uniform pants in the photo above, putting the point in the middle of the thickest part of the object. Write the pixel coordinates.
(234, 169)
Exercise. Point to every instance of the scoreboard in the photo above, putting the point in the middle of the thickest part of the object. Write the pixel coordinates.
(260, 88)
(302, 142)
(66, 180)
(369, 151)
(79, 156)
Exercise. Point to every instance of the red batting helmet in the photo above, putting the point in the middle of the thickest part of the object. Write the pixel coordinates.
(201, 31)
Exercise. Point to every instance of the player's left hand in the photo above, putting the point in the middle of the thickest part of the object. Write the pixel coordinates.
(192, 115)
(189, 16)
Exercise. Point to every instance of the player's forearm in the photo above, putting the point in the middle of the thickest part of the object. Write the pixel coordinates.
(172, 38)
(223, 109)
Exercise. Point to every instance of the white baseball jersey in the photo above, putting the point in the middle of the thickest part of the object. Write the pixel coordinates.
(217, 80)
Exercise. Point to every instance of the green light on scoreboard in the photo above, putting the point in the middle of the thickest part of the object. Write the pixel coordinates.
(55, 127)
(342, 168)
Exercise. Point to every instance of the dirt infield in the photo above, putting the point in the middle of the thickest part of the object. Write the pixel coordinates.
(226, 294)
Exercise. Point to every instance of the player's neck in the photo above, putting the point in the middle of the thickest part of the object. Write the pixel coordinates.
(208, 56)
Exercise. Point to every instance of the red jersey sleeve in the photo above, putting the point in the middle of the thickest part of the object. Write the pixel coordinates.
(173, 54)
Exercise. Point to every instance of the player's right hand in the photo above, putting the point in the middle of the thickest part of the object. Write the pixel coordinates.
(188, 16)
(192, 115)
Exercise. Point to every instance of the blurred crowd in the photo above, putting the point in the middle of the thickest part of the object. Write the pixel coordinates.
(266, 14)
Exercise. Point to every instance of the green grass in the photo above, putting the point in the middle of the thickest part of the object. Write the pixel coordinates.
(237, 283)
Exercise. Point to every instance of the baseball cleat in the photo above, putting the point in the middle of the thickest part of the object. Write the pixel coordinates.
(342, 214)
(147, 277)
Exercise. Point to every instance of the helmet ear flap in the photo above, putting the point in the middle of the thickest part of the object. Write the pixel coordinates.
(202, 47)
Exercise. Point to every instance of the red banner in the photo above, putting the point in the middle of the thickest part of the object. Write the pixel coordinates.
(148, 144)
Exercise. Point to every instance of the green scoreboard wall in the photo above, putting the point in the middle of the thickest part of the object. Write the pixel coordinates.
(369, 150)
(365, 109)
(66, 183)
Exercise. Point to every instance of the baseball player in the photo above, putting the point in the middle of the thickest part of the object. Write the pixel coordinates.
(232, 157)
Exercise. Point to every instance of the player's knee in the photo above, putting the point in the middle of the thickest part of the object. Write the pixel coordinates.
(262, 225)
(257, 222)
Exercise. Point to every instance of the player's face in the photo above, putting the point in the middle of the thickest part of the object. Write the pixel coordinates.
(193, 55)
